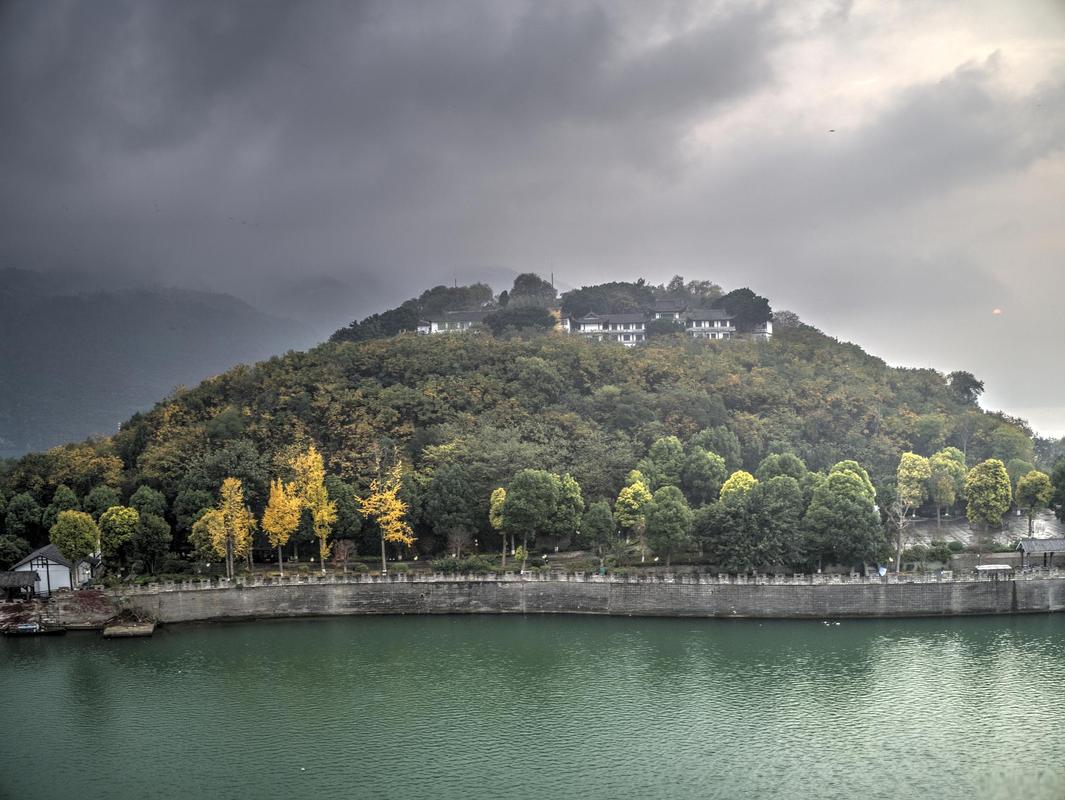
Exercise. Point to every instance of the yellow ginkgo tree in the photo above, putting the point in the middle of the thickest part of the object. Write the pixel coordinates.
(228, 527)
(384, 506)
(309, 489)
(496, 518)
(281, 517)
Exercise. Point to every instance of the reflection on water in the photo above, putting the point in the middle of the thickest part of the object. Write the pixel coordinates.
(544, 707)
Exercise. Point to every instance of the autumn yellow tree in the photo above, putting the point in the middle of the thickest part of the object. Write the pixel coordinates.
(384, 506)
(309, 488)
(495, 516)
(281, 517)
(231, 525)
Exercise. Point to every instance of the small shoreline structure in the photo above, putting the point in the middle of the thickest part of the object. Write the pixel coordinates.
(126, 630)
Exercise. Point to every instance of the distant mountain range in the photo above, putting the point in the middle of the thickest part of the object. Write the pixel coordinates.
(76, 361)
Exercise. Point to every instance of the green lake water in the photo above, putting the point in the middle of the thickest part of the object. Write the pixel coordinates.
(540, 707)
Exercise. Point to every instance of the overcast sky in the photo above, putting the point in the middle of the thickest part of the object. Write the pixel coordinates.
(892, 171)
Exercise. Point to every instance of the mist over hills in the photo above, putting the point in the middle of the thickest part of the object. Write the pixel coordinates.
(76, 359)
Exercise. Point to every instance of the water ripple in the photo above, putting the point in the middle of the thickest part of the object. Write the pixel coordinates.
(472, 707)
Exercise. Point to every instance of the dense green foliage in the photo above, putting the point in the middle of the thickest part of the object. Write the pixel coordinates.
(560, 422)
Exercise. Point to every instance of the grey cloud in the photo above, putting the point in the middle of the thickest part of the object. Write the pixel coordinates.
(258, 147)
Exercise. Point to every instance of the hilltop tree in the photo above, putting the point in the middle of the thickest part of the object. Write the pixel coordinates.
(911, 489)
(859, 472)
(529, 288)
(147, 500)
(669, 522)
(281, 518)
(702, 476)
(778, 464)
(12, 550)
(1034, 492)
(63, 499)
(384, 506)
(748, 308)
(965, 387)
(519, 317)
(739, 484)
(98, 500)
(947, 481)
(608, 298)
(723, 442)
(663, 464)
(987, 487)
(496, 519)
(75, 534)
(23, 518)
(631, 509)
(118, 526)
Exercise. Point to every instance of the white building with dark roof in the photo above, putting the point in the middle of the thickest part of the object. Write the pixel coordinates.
(452, 322)
(626, 329)
(54, 570)
(709, 323)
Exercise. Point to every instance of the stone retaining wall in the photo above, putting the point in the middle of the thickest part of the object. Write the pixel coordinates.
(616, 598)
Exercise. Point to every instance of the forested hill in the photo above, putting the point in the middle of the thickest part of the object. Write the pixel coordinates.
(551, 401)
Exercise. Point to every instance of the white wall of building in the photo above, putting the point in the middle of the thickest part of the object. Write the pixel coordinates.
(50, 574)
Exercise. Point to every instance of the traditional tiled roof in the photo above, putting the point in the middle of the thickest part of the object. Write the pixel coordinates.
(49, 551)
(708, 314)
(1041, 545)
(669, 305)
(18, 580)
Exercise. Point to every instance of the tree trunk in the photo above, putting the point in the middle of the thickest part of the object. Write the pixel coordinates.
(384, 562)
(280, 562)
(1031, 521)
(898, 549)
(938, 509)
(504, 552)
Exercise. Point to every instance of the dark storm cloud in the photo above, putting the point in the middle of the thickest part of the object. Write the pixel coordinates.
(284, 150)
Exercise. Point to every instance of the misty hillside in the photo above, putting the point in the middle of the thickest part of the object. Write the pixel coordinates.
(76, 362)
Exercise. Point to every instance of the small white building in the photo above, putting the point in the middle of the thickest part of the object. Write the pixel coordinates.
(452, 322)
(54, 570)
(763, 330)
(626, 329)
